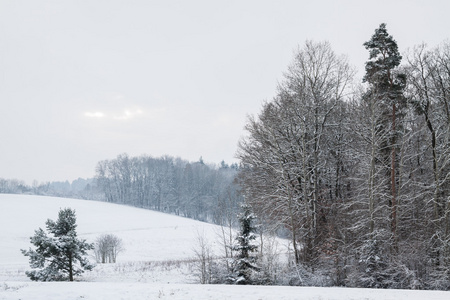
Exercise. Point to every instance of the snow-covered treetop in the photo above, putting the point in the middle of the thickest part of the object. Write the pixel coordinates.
(65, 225)
(383, 54)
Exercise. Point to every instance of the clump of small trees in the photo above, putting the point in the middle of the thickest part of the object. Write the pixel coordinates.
(107, 247)
(58, 255)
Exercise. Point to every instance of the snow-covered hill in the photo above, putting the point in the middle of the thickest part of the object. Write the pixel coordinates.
(150, 238)
(153, 266)
(147, 235)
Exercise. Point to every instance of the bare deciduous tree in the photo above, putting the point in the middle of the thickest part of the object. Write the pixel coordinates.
(204, 267)
(285, 156)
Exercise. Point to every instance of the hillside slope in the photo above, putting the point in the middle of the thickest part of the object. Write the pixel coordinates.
(148, 236)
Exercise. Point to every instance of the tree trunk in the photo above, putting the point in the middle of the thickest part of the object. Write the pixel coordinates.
(70, 267)
(393, 188)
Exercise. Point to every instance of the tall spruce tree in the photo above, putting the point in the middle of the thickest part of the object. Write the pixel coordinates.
(61, 256)
(386, 86)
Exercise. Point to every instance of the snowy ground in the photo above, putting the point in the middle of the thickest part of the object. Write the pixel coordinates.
(156, 263)
(107, 291)
(157, 245)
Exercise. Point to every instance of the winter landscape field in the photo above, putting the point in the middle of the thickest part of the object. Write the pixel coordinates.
(157, 263)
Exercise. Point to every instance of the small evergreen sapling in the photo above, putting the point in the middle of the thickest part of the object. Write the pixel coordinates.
(245, 264)
(60, 256)
(374, 268)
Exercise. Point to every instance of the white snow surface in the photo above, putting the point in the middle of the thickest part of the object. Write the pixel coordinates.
(108, 291)
(154, 265)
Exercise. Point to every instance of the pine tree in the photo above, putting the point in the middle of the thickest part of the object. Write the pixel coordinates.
(245, 263)
(60, 256)
(386, 88)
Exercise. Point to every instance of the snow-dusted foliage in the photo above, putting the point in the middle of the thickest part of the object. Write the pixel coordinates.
(244, 265)
(373, 265)
(359, 177)
(294, 165)
(58, 255)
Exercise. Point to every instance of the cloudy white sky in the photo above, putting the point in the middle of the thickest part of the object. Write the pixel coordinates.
(83, 81)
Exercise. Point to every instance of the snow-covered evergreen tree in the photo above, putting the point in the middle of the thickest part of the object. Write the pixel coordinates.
(386, 87)
(60, 256)
(372, 262)
(244, 264)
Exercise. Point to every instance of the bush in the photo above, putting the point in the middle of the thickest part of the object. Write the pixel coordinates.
(107, 246)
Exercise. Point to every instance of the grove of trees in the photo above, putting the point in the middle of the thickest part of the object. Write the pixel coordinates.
(172, 185)
(358, 173)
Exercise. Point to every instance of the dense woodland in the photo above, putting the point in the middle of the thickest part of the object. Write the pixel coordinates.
(359, 173)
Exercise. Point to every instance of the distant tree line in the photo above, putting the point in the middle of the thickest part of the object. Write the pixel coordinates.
(358, 173)
(194, 190)
(79, 188)
(13, 186)
(172, 185)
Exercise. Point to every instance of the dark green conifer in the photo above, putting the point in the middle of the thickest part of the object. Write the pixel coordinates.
(386, 88)
(60, 256)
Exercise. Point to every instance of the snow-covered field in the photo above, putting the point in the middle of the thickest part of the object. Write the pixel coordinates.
(156, 244)
(108, 291)
(155, 264)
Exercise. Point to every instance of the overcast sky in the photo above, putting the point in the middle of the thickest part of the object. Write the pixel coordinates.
(84, 81)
